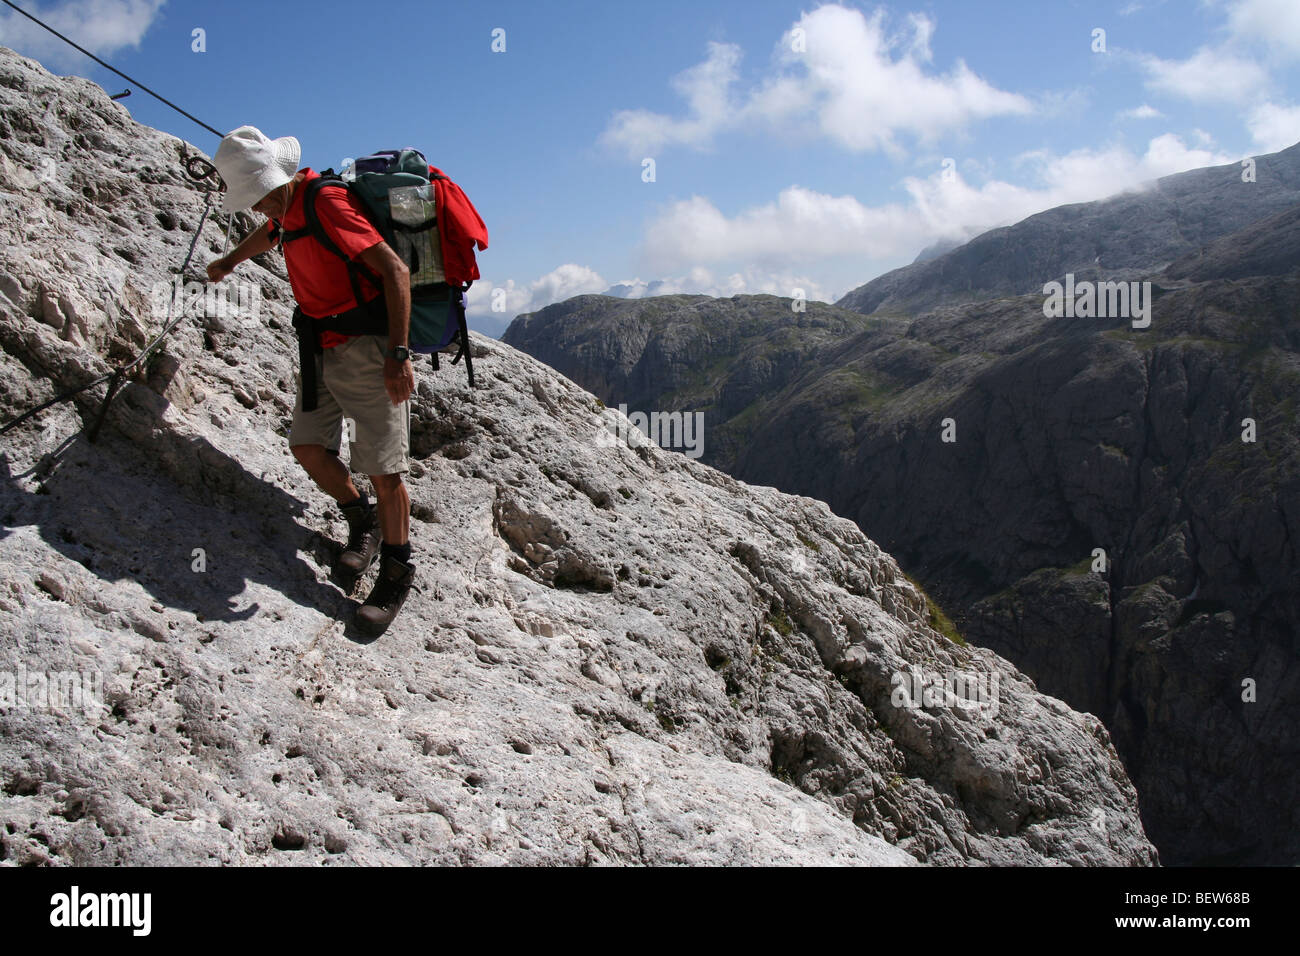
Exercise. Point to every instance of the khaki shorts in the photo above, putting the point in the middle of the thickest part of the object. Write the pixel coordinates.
(350, 379)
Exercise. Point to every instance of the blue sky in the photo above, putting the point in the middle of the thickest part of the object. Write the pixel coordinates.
(794, 146)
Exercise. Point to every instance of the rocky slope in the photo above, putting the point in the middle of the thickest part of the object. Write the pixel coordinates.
(1071, 435)
(616, 655)
(1134, 233)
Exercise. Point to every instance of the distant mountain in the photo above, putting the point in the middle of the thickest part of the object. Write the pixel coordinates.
(935, 250)
(1072, 435)
(1135, 232)
(720, 356)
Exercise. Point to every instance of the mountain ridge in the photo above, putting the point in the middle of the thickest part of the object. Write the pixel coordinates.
(1136, 231)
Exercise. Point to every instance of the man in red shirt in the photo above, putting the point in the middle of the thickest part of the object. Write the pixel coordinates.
(365, 379)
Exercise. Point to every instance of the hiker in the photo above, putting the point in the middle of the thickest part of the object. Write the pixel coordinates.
(367, 379)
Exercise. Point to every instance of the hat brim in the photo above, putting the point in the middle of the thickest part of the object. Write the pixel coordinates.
(288, 153)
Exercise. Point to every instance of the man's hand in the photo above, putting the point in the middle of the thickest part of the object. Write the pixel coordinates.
(253, 244)
(399, 379)
(218, 269)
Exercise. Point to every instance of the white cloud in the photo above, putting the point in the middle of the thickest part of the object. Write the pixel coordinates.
(918, 45)
(1149, 5)
(1166, 154)
(565, 282)
(805, 228)
(801, 226)
(865, 89)
(557, 285)
(701, 281)
(102, 26)
(1142, 112)
(1274, 23)
(851, 83)
(790, 243)
(1255, 35)
(1274, 127)
(706, 89)
(1208, 75)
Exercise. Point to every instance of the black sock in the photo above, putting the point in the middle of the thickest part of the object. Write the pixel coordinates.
(400, 551)
(360, 499)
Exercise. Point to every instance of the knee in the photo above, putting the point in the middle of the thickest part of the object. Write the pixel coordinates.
(385, 485)
(309, 455)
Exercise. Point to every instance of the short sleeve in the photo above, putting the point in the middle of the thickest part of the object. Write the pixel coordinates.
(345, 223)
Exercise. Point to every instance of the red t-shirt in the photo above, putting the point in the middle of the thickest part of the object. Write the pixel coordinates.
(318, 277)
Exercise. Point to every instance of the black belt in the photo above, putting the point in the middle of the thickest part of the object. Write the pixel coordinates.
(368, 319)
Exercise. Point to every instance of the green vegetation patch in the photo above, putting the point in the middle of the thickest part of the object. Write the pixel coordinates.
(779, 620)
(938, 620)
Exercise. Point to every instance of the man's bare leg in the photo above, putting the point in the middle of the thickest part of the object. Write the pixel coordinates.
(394, 507)
(327, 471)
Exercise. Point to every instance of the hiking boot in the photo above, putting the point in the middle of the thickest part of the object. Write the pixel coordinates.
(363, 538)
(387, 596)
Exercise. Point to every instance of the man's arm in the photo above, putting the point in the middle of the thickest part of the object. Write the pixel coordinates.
(399, 377)
(397, 290)
(254, 244)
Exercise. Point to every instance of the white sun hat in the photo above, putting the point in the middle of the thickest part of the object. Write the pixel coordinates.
(252, 165)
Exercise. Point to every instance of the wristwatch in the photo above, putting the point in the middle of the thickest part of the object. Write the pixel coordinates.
(399, 352)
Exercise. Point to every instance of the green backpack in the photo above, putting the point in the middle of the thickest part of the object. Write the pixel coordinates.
(396, 191)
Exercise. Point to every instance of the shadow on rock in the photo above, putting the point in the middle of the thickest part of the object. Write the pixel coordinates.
(182, 519)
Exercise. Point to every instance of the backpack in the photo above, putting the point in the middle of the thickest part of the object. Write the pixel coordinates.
(399, 193)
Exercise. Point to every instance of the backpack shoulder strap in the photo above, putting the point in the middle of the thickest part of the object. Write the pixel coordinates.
(314, 227)
(317, 231)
